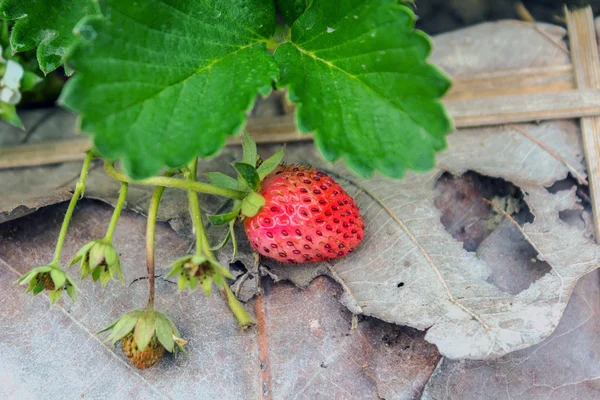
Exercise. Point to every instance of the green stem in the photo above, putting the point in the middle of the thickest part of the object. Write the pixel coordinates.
(194, 206)
(176, 183)
(77, 194)
(233, 239)
(150, 236)
(203, 246)
(118, 208)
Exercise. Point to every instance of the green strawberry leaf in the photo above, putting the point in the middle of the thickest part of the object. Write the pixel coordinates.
(292, 9)
(270, 164)
(29, 81)
(248, 174)
(358, 72)
(47, 24)
(160, 82)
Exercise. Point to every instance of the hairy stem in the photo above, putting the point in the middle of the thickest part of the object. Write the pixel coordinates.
(117, 213)
(194, 206)
(77, 194)
(150, 236)
(203, 246)
(176, 183)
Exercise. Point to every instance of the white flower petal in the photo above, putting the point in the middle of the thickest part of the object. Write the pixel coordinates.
(12, 76)
(10, 96)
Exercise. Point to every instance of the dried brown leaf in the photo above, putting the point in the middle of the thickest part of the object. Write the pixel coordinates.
(59, 345)
(564, 366)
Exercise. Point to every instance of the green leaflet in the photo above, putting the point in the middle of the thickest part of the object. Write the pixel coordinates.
(359, 74)
(47, 24)
(160, 82)
(29, 81)
(160, 91)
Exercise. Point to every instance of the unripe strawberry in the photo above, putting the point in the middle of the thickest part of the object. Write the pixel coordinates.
(46, 280)
(307, 217)
(145, 335)
(142, 359)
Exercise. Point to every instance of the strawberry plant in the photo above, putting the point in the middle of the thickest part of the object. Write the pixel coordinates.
(160, 83)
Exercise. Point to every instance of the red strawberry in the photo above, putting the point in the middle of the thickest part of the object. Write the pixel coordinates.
(307, 217)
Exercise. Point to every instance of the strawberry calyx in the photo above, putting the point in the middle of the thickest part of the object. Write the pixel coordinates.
(99, 259)
(50, 278)
(194, 269)
(251, 170)
(145, 334)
